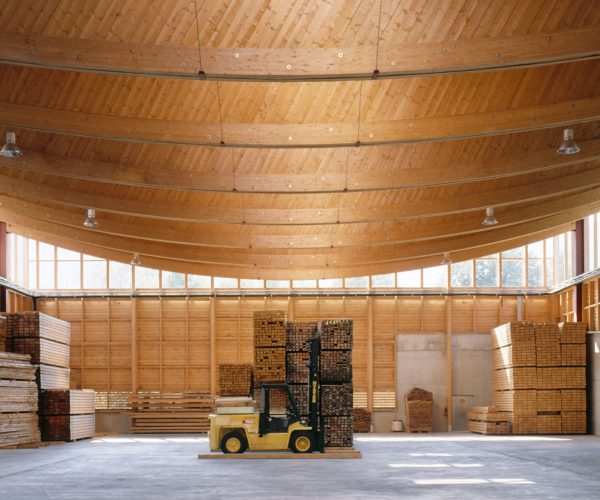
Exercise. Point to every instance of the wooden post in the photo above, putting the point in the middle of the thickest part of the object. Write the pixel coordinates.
(449, 360)
(213, 352)
(134, 347)
(370, 353)
(3, 270)
(579, 268)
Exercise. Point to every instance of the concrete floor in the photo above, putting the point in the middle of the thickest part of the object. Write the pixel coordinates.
(458, 465)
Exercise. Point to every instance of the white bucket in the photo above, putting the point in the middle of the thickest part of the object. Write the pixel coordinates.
(397, 426)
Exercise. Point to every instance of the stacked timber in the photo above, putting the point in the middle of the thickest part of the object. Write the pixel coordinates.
(488, 420)
(298, 334)
(419, 410)
(336, 381)
(235, 379)
(47, 340)
(67, 415)
(18, 401)
(535, 368)
(3, 334)
(361, 420)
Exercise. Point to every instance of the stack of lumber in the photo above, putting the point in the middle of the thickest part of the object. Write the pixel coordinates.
(269, 346)
(67, 415)
(539, 376)
(298, 333)
(164, 412)
(336, 381)
(419, 410)
(18, 401)
(47, 340)
(2, 334)
(488, 420)
(235, 379)
(361, 420)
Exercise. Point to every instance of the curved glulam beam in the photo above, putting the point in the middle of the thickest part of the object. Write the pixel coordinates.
(297, 209)
(219, 178)
(305, 64)
(304, 134)
(255, 272)
(229, 236)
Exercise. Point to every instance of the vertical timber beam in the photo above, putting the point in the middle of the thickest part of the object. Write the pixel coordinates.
(579, 268)
(3, 270)
(370, 354)
(213, 352)
(134, 347)
(449, 360)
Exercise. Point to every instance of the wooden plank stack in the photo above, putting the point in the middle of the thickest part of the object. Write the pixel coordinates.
(235, 379)
(67, 415)
(488, 420)
(269, 346)
(18, 401)
(419, 410)
(361, 420)
(336, 381)
(163, 412)
(47, 340)
(539, 376)
(3, 326)
(298, 333)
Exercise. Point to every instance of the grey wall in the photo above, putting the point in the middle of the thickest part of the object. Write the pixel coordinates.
(421, 362)
(112, 422)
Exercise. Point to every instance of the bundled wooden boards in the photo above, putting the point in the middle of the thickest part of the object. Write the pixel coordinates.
(298, 333)
(235, 379)
(18, 401)
(535, 368)
(67, 415)
(3, 326)
(419, 410)
(488, 420)
(269, 347)
(69, 402)
(361, 420)
(67, 427)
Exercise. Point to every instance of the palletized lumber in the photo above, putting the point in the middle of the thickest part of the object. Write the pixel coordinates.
(513, 333)
(42, 350)
(513, 357)
(297, 367)
(300, 393)
(561, 378)
(491, 428)
(419, 408)
(235, 379)
(336, 334)
(361, 420)
(573, 400)
(572, 332)
(269, 329)
(38, 325)
(573, 354)
(67, 402)
(547, 341)
(298, 333)
(524, 402)
(514, 378)
(277, 400)
(573, 422)
(524, 423)
(3, 325)
(336, 366)
(336, 399)
(269, 365)
(338, 431)
(548, 400)
(67, 427)
(16, 367)
(487, 414)
(52, 377)
(549, 423)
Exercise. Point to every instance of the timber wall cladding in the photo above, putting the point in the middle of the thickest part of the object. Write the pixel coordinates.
(172, 335)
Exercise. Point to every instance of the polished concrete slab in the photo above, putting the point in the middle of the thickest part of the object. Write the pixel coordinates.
(457, 465)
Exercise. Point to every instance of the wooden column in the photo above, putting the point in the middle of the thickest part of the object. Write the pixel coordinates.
(579, 268)
(3, 267)
(370, 353)
(213, 352)
(449, 360)
(134, 347)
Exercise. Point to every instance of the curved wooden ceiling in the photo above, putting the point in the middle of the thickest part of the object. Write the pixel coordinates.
(402, 121)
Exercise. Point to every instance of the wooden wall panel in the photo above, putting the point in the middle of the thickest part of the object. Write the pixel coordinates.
(462, 314)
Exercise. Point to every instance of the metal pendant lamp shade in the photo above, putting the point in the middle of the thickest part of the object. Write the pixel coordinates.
(447, 259)
(90, 221)
(136, 260)
(10, 148)
(568, 146)
(489, 220)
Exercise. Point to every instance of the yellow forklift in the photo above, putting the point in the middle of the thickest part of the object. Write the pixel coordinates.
(236, 427)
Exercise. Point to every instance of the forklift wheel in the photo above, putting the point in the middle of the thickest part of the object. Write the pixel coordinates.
(302, 442)
(233, 442)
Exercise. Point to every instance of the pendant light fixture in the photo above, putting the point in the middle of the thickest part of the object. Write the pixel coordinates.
(136, 260)
(90, 221)
(446, 260)
(489, 220)
(568, 146)
(10, 148)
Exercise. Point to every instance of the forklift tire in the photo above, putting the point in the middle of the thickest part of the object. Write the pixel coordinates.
(302, 442)
(234, 442)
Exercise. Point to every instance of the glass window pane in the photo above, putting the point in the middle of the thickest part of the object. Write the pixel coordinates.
(32, 245)
(486, 273)
(91, 257)
(94, 275)
(146, 277)
(535, 273)
(246, 283)
(225, 282)
(304, 283)
(409, 279)
(591, 242)
(513, 272)
(535, 250)
(46, 275)
(383, 280)
(461, 274)
(64, 254)
(46, 251)
(198, 281)
(69, 275)
(330, 283)
(120, 275)
(549, 273)
(491, 256)
(436, 277)
(357, 282)
(515, 253)
(549, 248)
(32, 275)
(278, 284)
(173, 280)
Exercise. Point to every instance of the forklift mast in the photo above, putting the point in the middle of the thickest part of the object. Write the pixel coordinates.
(315, 419)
